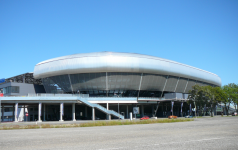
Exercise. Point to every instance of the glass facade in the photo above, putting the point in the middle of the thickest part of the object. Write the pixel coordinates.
(118, 84)
(11, 89)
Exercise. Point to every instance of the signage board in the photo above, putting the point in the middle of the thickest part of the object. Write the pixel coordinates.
(136, 110)
(26, 114)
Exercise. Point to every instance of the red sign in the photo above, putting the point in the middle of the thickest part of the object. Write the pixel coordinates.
(26, 114)
(1, 94)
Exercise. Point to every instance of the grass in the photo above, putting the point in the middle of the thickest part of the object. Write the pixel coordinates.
(96, 123)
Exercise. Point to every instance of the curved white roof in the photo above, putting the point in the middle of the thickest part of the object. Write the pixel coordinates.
(120, 62)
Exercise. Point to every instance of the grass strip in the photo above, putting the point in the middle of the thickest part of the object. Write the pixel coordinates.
(96, 123)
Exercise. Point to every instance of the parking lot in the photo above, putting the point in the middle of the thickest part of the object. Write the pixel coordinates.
(203, 133)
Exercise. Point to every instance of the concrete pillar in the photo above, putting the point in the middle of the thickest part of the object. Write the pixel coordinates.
(142, 110)
(47, 110)
(73, 112)
(44, 112)
(34, 114)
(61, 111)
(127, 115)
(93, 113)
(86, 111)
(153, 111)
(2, 113)
(24, 113)
(108, 116)
(13, 111)
(39, 112)
(118, 109)
(16, 112)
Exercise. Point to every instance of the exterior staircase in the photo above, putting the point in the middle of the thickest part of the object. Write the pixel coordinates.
(101, 108)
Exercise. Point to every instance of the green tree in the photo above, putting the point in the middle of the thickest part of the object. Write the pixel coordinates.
(228, 96)
(196, 98)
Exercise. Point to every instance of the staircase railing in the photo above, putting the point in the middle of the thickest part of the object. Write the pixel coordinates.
(103, 109)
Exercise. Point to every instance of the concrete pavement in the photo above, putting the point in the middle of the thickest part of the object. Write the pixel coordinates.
(203, 133)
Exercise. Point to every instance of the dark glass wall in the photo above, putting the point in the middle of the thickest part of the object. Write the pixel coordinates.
(119, 84)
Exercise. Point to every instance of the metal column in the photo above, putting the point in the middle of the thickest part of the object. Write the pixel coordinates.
(24, 113)
(127, 115)
(61, 111)
(153, 110)
(44, 112)
(93, 113)
(142, 110)
(39, 112)
(16, 112)
(73, 112)
(108, 116)
(86, 112)
(0, 112)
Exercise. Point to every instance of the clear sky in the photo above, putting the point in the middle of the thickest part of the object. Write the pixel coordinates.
(202, 33)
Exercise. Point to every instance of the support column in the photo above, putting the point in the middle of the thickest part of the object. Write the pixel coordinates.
(61, 111)
(13, 111)
(142, 110)
(108, 116)
(127, 113)
(118, 109)
(44, 112)
(24, 113)
(1, 112)
(16, 112)
(86, 111)
(73, 112)
(39, 112)
(93, 113)
(47, 110)
(153, 111)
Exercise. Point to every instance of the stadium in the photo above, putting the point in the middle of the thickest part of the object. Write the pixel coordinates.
(113, 83)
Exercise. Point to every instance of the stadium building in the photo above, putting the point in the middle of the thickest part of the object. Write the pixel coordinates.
(71, 87)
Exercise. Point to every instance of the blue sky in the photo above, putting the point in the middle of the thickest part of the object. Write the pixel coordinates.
(203, 34)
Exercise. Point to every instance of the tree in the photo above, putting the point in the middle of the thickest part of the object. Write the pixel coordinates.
(205, 96)
(235, 95)
(228, 96)
(196, 97)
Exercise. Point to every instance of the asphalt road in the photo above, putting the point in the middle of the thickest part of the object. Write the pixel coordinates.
(203, 133)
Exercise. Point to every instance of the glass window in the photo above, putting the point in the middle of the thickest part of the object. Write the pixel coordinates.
(11, 89)
(15, 89)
